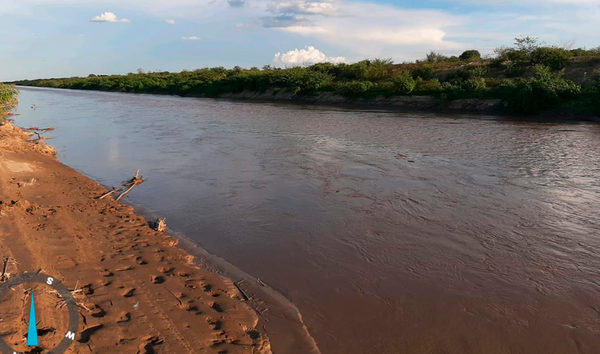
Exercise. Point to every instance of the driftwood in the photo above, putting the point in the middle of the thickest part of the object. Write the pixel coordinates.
(38, 129)
(134, 181)
(111, 191)
(127, 186)
(237, 285)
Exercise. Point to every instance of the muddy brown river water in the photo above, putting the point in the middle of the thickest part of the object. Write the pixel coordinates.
(391, 232)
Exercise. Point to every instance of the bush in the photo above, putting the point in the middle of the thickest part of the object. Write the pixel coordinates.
(479, 71)
(552, 57)
(515, 70)
(428, 86)
(404, 83)
(544, 90)
(512, 55)
(467, 73)
(492, 82)
(473, 84)
(385, 88)
(424, 72)
(354, 88)
(366, 70)
(470, 55)
(297, 80)
(593, 91)
(596, 80)
(580, 52)
(434, 57)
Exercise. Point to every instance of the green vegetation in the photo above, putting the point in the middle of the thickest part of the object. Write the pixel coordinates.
(8, 100)
(528, 77)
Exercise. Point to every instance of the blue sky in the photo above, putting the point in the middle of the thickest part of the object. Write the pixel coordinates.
(55, 38)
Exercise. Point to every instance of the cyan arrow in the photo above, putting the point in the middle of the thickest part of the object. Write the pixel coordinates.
(32, 338)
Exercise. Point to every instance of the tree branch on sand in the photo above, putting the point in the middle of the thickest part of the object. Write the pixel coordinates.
(127, 186)
(134, 181)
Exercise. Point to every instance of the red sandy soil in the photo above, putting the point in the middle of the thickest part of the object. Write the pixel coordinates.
(136, 291)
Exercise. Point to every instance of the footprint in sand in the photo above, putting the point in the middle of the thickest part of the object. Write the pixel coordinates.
(219, 340)
(124, 268)
(124, 317)
(215, 324)
(87, 333)
(148, 343)
(157, 279)
(96, 310)
(166, 270)
(206, 287)
(45, 330)
(216, 306)
(189, 306)
(128, 292)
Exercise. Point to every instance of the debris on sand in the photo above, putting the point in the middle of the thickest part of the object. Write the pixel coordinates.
(159, 224)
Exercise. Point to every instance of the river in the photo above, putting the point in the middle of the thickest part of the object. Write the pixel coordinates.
(391, 232)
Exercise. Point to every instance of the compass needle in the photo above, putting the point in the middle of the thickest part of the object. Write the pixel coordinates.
(32, 337)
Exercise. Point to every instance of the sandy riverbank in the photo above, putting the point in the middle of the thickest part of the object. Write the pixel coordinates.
(137, 292)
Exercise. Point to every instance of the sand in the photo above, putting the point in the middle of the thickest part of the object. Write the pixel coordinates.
(136, 290)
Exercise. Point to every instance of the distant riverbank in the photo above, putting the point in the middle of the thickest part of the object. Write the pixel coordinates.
(524, 80)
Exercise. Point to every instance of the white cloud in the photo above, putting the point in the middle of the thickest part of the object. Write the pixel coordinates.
(373, 30)
(108, 17)
(190, 38)
(170, 21)
(308, 55)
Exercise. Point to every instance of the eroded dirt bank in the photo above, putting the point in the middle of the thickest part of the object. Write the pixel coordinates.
(137, 292)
